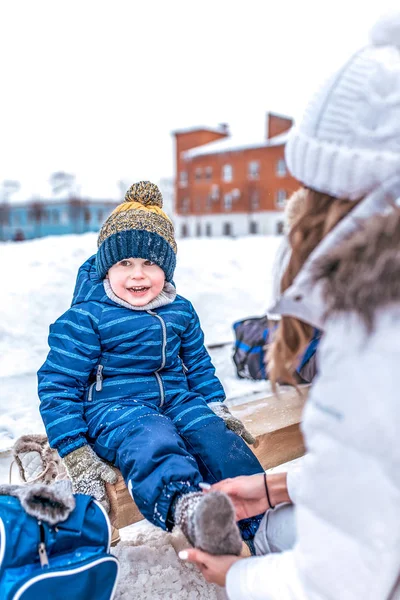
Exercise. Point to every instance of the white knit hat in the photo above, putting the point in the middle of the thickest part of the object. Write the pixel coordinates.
(348, 142)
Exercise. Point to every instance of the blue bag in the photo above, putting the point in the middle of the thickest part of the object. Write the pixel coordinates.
(251, 340)
(69, 559)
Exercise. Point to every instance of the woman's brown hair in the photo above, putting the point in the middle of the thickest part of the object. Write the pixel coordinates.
(319, 214)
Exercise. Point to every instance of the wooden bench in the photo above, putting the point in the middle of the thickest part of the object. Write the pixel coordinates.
(274, 422)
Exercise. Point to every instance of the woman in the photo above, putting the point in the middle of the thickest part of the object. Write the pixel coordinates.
(343, 277)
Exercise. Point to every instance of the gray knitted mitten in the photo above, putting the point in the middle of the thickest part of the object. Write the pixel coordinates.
(233, 423)
(208, 521)
(89, 474)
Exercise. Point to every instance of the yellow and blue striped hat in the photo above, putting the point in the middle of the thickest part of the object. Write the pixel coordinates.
(138, 228)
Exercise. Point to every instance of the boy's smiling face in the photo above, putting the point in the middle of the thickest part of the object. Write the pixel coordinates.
(136, 280)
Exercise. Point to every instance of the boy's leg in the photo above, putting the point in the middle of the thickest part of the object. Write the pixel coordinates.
(152, 457)
(219, 452)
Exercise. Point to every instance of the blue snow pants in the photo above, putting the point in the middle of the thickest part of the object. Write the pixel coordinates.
(166, 451)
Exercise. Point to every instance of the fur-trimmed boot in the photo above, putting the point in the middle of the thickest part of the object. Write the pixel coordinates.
(208, 521)
(37, 462)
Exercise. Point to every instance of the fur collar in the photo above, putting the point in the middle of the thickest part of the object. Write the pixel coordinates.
(362, 274)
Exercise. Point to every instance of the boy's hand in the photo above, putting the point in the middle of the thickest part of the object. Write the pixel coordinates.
(89, 474)
(214, 568)
(233, 423)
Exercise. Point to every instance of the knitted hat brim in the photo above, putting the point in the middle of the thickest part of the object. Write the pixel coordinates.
(340, 171)
(135, 244)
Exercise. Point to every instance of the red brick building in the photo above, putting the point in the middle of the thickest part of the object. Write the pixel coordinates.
(227, 188)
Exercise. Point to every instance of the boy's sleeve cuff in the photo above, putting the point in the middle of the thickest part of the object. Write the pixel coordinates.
(70, 444)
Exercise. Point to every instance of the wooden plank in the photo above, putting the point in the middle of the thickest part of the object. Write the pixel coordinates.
(274, 422)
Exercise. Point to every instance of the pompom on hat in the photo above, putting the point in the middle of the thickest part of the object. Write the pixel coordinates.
(348, 142)
(138, 228)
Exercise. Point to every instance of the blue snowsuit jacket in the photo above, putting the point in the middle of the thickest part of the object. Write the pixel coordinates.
(136, 385)
(102, 352)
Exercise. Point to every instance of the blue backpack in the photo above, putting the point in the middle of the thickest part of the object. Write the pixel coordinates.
(71, 559)
(251, 340)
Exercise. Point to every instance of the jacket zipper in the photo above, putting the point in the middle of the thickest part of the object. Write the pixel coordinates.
(44, 560)
(99, 378)
(163, 355)
(98, 383)
(90, 395)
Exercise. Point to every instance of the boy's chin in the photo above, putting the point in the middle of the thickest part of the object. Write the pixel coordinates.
(141, 301)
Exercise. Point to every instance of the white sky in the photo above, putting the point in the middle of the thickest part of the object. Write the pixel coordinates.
(95, 87)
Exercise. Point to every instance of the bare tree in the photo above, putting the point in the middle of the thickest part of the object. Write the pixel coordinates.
(7, 189)
(36, 213)
(123, 186)
(61, 181)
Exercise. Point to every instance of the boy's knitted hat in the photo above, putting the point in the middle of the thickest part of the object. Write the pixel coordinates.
(348, 142)
(138, 228)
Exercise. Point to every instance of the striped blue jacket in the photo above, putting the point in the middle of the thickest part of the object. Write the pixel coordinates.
(101, 352)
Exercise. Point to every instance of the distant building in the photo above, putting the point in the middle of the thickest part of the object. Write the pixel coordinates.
(34, 219)
(227, 188)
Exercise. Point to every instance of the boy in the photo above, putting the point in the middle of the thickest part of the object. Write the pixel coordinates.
(128, 379)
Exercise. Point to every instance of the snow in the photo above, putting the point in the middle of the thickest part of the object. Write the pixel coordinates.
(219, 129)
(233, 144)
(226, 279)
(151, 570)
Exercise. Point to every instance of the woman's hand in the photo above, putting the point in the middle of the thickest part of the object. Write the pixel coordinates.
(214, 568)
(248, 495)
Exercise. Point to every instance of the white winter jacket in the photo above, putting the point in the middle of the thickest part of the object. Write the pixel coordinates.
(348, 495)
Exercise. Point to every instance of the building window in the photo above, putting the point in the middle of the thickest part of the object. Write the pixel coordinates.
(17, 219)
(215, 191)
(227, 173)
(254, 199)
(184, 230)
(280, 228)
(198, 229)
(281, 170)
(183, 179)
(253, 227)
(236, 194)
(208, 172)
(64, 219)
(227, 229)
(228, 201)
(281, 198)
(56, 217)
(208, 230)
(185, 205)
(100, 215)
(198, 173)
(254, 169)
(86, 216)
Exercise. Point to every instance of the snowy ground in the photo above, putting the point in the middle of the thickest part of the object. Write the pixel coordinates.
(225, 279)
